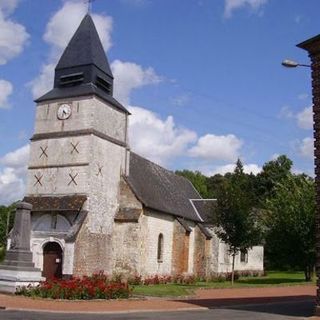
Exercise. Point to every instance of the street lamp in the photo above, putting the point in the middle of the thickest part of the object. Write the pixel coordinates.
(293, 64)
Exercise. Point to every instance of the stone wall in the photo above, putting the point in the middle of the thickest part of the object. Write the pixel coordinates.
(91, 252)
(201, 253)
(253, 263)
(191, 248)
(213, 249)
(152, 224)
(82, 163)
(86, 113)
(127, 237)
(94, 242)
(180, 249)
(127, 248)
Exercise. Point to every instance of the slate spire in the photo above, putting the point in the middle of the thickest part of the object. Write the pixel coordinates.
(83, 68)
(85, 48)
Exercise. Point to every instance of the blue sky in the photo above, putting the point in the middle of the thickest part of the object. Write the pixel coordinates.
(202, 78)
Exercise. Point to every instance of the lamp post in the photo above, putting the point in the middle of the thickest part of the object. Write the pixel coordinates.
(293, 64)
(312, 46)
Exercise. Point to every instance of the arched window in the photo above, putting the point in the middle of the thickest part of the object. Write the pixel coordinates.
(160, 248)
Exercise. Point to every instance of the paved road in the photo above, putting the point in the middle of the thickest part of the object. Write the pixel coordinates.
(271, 311)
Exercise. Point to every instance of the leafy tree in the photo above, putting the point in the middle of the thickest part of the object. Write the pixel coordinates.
(273, 173)
(291, 224)
(214, 184)
(235, 215)
(198, 180)
(6, 223)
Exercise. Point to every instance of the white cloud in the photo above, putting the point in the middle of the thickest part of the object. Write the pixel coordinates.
(6, 90)
(285, 113)
(8, 6)
(129, 76)
(59, 31)
(305, 118)
(44, 82)
(306, 148)
(13, 175)
(232, 5)
(64, 23)
(17, 158)
(213, 147)
(13, 36)
(247, 168)
(157, 139)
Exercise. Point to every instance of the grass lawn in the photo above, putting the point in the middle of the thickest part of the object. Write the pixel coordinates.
(272, 279)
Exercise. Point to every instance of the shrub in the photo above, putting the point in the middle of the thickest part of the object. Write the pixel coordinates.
(97, 286)
(135, 280)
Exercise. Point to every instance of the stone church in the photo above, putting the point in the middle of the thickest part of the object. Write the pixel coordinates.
(98, 206)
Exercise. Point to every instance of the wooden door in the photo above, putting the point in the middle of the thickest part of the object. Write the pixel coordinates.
(52, 261)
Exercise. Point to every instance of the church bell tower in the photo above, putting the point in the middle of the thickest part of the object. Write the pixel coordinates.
(79, 151)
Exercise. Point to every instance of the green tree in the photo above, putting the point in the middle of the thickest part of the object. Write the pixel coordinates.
(6, 223)
(273, 173)
(235, 215)
(290, 224)
(198, 180)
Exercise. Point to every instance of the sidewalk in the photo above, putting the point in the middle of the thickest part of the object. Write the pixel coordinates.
(203, 299)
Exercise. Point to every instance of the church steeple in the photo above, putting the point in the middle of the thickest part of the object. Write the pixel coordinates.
(83, 68)
(84, 50)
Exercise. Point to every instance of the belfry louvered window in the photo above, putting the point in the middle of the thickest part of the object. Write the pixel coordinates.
(71, 79)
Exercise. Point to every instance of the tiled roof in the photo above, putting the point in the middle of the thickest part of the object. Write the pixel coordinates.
(161, 189)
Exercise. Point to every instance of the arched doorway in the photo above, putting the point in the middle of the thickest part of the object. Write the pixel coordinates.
(52, 260)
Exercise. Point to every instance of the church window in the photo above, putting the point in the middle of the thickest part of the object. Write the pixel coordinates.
(244, 256)
(71, 79)
(160, 248)
(104, 85)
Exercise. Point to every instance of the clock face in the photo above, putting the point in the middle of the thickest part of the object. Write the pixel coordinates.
(64, 111)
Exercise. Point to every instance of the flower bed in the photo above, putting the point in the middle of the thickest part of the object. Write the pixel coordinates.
(162, 279)
(97, 286)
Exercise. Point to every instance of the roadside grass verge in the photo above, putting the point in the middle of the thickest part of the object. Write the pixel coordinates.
(273, 278)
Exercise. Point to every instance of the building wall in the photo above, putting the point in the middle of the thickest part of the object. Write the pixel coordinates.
(254, 261)
(96, 166)
(127, 248)
(180, 249)
(191, 248)
(94, 242)
(127, 239)
(37, 243)
(201, 253)
(92, 252)
(213, 254)
(152, 224)
(87, 113)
